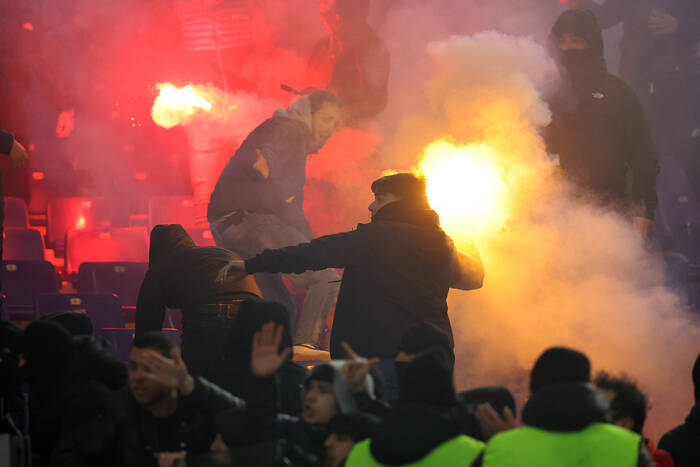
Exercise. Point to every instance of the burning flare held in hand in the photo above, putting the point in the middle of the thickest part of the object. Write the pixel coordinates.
(177, 106)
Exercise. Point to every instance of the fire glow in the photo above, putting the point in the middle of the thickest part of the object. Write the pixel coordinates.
(465, 188)
(176, 106)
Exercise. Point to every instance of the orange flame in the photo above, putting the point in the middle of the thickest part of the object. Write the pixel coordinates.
(176, 106)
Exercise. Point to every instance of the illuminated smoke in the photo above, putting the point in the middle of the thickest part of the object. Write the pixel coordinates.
(560, 270)
(176, 106)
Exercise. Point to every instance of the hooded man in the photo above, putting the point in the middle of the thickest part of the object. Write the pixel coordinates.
(258, 200)
(683, 442)
(398, 270)
(598, 127)
(181, 275)
(566, 422)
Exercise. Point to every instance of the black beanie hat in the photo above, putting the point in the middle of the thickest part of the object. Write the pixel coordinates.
(696, 379)
(583, 23)
(48, 349)
(559, 365)
(77, 324)
(428, 380)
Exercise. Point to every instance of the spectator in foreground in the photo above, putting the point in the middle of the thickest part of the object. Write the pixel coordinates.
(628, 409)
(344, 432)
(683, 442)
(566, 422)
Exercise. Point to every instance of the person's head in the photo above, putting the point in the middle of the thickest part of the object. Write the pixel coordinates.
(405, 187)
(77, 324)
(344, 431)
(343, 17)
(628, 405)
(559, 365)
(252, 315)
(167, 239)
(428, 380)
(46, 350)
(422, 337)
(578, 39)
(145, 391)
(326, 115)
(325, 395)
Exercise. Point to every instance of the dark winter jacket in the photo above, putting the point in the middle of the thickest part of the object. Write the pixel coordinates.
(233, 372)
(570, 407)
(398, 271)
(191, 428)
(283, 142)
(183, 276)
(598, 127)
(6, 142)
(683, 442)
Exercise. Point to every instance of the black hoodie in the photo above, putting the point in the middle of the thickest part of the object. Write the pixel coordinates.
(398, 271)
(598, 126)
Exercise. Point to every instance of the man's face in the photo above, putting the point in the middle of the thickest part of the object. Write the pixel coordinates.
(337, 449)
(570, 41)
(381, 200)
(320, 404)
(142, 387)
(325, 121)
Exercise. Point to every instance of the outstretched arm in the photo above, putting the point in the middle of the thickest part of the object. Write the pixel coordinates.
(466, 269)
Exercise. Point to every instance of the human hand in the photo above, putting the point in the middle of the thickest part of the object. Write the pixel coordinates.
(65, 123)
(18, 155)
(167, 459)
(170, 372)
(661, 23)
(644, 226)
(265, 358)
(356, 368)
(491, 423)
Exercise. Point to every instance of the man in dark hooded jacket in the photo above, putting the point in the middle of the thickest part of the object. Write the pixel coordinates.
(398, 269)
(181, 275)
(258, 200)
(683, 442)
(566, 422)
(598, 126)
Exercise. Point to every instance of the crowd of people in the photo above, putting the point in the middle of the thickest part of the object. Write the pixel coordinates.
(231, 392)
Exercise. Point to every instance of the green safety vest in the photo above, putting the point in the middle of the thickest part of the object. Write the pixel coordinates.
(458, 451)
(598, 445)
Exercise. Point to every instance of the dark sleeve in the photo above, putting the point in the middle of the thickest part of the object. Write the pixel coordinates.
(667, 444)
(466, 269)
(644, 459)
(262, 410)
(150, 307)
(332, 251)
(6, 142)
(609, 13)
(210, 398)
(639, 153)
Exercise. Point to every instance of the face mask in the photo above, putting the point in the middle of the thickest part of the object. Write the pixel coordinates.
(578, 60)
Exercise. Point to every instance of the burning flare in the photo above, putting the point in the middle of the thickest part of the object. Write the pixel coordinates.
(176, 106)
(465, 187)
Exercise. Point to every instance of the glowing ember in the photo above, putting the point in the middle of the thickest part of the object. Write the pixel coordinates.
(175, 106)
(465, 187)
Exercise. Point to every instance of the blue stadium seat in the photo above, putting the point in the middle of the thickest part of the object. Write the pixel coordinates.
(104, 310)
(23, 282)
(120, 278)
(23, 244)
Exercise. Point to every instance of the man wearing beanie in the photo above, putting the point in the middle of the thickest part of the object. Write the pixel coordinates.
(683, 442)
(566, 422)
(598, 127)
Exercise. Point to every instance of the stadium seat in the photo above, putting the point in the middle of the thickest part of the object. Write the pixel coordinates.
(64, 214)
(120, 278)
(104, 310)
(129, 244)
(23, 282)
(171, 210)
(16, 214)
(23, 244)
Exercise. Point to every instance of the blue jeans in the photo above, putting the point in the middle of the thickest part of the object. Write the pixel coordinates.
(257, 232)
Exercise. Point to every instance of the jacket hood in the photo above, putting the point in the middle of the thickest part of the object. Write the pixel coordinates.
(96, 361)
(409, 432)
(327, 372)
(583, 23)
(48, 349)
(251, 317)
(300, 110)
(165, 240)
(566, 407)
